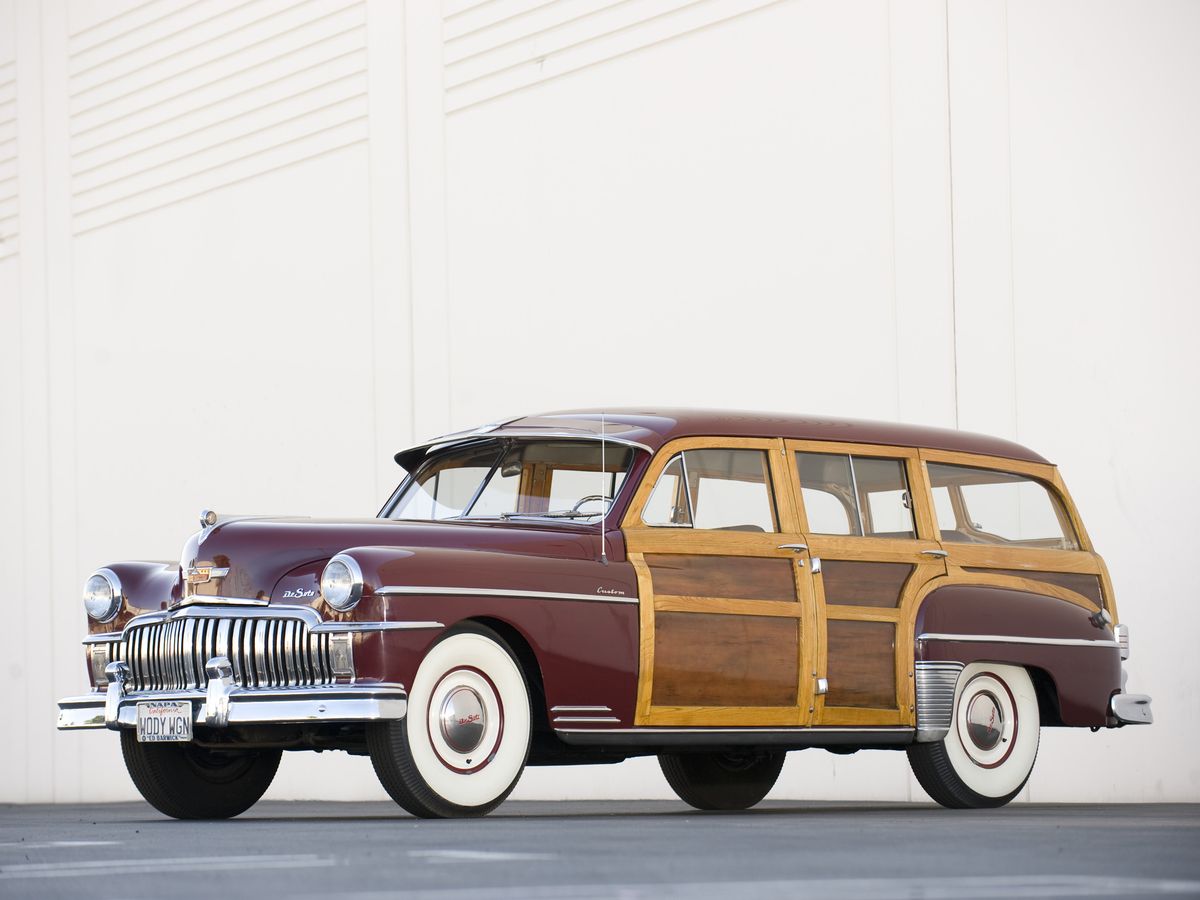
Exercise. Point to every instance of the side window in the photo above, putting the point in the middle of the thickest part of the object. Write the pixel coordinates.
(989, 507)
(855, 495)
(716, 489)
(668, 505)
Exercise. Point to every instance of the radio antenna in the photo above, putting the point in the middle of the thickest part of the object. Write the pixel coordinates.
(603, 494)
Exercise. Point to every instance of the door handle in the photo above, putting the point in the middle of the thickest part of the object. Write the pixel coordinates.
(940, 554)
(798, 548)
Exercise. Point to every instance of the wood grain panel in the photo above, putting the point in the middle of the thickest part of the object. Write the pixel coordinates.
(862, 664)
(1087, 585)
(864, 583)
(716, 660)
(735, 577)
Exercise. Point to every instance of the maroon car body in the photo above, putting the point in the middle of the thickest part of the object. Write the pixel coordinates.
(680, 636)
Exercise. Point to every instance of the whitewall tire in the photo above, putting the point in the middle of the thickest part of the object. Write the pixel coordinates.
(987, 756)
(462, 747)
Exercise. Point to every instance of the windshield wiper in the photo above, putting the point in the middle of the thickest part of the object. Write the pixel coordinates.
(550, 514)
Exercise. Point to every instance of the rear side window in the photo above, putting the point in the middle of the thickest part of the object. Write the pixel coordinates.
(983, 506)
(717, 489)
(855, 495)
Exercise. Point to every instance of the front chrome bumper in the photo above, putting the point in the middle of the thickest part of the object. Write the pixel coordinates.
(224, 703)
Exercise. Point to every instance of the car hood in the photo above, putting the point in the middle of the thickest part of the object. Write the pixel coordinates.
(271, 559)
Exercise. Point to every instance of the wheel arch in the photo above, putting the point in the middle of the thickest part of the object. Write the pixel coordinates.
(531, 666)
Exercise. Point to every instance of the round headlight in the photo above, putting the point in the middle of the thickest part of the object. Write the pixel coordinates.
(341, 583)
(102, 595)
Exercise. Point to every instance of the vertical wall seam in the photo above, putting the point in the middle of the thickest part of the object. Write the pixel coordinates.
(22, 407)
(1012, 269)
(408, 231)
(372, 236)
(892, 199)
(445, 201)
(47, 322)
(950, 180)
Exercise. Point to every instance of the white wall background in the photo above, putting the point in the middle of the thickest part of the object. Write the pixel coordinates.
(248, 248)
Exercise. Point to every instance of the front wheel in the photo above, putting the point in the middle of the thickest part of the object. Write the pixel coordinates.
(185, 781)
(721, 780)
(463, 745)
(987, 756)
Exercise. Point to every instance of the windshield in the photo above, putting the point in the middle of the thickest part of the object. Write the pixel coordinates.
(516, 479)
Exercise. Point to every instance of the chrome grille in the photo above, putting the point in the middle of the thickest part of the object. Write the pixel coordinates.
(264, 652)
(935, 698)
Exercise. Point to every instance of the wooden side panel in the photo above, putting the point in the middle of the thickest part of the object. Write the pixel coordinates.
(855, 583)
(716, 660)
(734, 577)
(1087, 585)
(862, 669)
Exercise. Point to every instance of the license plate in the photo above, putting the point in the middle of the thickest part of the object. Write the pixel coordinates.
(166, 721)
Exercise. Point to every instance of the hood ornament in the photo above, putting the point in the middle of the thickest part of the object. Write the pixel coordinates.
(208, 518)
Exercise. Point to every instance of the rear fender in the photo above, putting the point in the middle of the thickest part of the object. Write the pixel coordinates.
(1055, 639)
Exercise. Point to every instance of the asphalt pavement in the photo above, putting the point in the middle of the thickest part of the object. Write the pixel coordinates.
(627, 850)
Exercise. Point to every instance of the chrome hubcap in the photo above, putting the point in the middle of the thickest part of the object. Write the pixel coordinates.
(985, 721)
(463, 719)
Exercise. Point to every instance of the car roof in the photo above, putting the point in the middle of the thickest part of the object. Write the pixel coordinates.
(652, 427)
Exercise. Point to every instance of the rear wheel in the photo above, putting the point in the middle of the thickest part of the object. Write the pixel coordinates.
(185, 781)
(462, 747)
(987, 756)
(721, 780)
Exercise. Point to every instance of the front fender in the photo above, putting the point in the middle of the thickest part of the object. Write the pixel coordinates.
(147, 586)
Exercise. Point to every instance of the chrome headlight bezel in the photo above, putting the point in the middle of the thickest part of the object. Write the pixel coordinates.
(341, 583)
(105, 610)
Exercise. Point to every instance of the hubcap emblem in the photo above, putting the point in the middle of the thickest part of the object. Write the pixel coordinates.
(985, 721)
(463, 719)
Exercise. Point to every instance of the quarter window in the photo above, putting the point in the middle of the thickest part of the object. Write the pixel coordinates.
(983, 506)
(855, 495)
(716, 489)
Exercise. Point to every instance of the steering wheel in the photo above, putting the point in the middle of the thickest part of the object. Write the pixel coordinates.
(588, 499)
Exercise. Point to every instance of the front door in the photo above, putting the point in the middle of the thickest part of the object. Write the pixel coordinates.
(872, 545)
(727, 618)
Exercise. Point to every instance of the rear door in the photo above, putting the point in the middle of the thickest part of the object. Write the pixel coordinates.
(864, 513)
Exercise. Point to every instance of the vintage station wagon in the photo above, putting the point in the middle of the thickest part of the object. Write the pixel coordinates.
(714, 588)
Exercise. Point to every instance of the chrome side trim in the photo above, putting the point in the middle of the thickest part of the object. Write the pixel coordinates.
(582, 719)
(766, 729)
(581, 709)
(1014, 639)
(500, 592)
(358, 627)
(340, 703)
(935, 685)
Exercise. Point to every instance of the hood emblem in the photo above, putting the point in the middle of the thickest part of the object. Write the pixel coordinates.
(203, 574)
